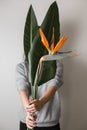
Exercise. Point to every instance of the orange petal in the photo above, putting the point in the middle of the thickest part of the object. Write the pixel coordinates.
(44, 40)
(52, 45)
(59, 44)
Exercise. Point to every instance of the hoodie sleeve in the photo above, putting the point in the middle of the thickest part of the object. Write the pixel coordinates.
(21, 78)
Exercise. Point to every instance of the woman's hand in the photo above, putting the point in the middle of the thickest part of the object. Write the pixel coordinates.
(34, 106)
(30, 120)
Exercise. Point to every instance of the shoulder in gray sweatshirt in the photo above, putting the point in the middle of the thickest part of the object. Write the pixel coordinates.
(49, 115)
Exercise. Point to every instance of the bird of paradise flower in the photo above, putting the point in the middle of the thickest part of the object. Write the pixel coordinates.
(51, 56)
(52, 52)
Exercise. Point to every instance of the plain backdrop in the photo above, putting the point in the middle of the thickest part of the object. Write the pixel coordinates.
(73, 21)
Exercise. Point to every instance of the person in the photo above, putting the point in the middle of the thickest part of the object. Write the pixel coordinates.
(46, 106)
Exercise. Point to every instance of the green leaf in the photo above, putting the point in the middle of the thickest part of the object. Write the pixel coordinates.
(52, 20)
(38, 50)
(30, 30)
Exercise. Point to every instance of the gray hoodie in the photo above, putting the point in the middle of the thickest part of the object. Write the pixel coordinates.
(49, 115)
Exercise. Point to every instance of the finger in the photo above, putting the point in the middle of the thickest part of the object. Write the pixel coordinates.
(34, 101)
(31, 116)
(31, 123)
(30, 126)
(34, 107)
(31, 108)
(28, 107)
(30, 100)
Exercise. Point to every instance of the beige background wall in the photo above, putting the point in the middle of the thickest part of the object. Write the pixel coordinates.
(73, 19)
